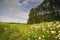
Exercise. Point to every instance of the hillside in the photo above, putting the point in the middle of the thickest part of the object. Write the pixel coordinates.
(41, 31)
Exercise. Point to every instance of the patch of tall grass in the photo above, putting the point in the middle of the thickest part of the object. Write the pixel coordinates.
(41, 31)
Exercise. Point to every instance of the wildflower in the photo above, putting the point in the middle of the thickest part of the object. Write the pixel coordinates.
(59, 34)
(29, 35)
(48, 25)
(39, 37)
(43, 36)
(28, 39)
(51, 28)
(56, 37)
(51, 22)
(53, 32)
(43, 29)
(54, 25)
(35, 24)
(47, 31)
(58, 31)
(5, 28)
(58, 26)
(59, 38)
(57, 22)
(31, 27)
(37, 27)
(35, 36)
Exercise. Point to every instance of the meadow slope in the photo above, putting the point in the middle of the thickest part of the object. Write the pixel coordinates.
(41, 31)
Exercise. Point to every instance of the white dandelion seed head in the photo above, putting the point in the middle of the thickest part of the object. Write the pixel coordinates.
(54, 25)
(43, 36)
(5, 28)
(28, 39)
(48, 25)
(58, 31)
(56, 37)
(53, 32)
(43, 29)
(39, 37)
(58, 26)
(35, 36)
(51, 22)
(59, 34)
(31, 27)
(51, 28)
(57, 22)
(47, 31)
(59, 38)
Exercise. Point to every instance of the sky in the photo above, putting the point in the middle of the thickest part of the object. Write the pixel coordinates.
(16, 10)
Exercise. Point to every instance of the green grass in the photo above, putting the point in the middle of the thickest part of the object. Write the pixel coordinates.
(41, 31)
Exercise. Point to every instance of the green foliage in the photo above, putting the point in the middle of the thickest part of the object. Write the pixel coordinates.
(46, 11)
(33, 16)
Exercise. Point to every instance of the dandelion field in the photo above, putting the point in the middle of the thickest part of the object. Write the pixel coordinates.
(41, 31)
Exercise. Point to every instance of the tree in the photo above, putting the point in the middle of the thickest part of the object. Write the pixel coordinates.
(48, 9)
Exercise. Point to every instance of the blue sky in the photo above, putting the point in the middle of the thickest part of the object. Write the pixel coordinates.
(16, 10)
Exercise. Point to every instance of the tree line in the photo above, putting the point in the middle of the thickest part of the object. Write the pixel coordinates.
(48, 10)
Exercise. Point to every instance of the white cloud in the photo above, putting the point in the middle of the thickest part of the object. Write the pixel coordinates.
(13, 9)
(27, 1)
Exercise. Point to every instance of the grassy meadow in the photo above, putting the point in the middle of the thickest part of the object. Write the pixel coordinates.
(41, 31)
